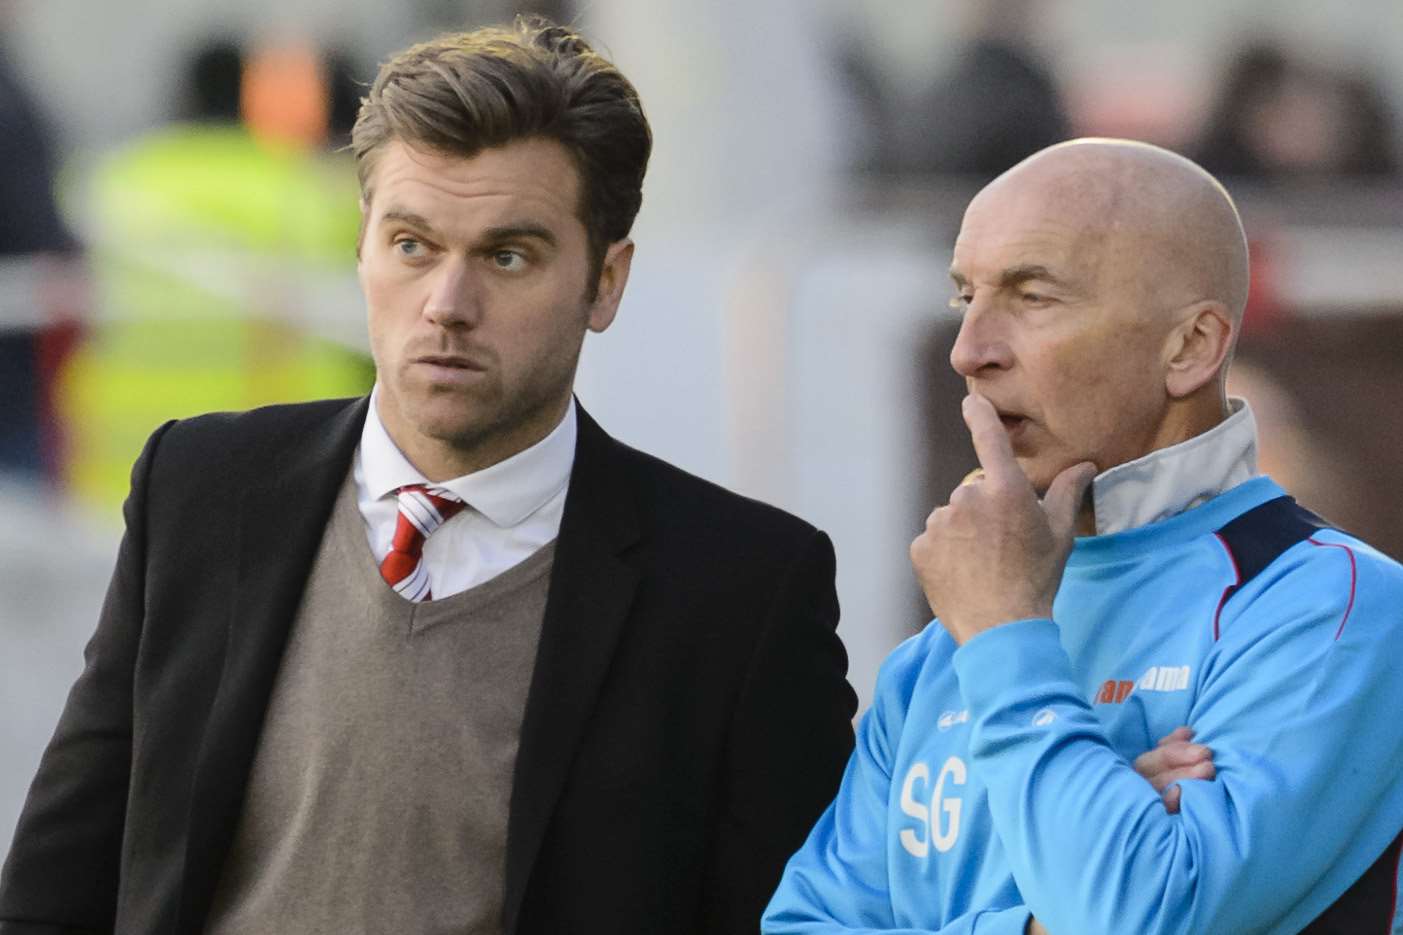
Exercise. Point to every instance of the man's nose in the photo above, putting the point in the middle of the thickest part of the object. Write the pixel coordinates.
(980, 344)
(455, 295)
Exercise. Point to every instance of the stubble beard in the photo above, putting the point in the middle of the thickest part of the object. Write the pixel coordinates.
(486, 424)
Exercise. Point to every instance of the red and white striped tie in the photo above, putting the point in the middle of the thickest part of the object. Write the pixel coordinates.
(421, 511)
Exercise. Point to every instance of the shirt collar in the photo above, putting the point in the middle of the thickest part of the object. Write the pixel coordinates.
(1174, 479)
(506, 493)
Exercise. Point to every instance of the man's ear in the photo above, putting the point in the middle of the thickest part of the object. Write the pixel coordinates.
(613, 276)
(1198, 348)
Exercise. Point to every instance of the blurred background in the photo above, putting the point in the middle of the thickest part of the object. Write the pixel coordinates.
(177, 229)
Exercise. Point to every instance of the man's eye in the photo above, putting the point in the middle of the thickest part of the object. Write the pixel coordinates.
(1035, 298)
(959, 300)
(409, 247)
(509, 260)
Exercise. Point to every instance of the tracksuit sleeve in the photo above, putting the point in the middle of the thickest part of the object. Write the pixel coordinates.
(1301, 709)
(838, 881)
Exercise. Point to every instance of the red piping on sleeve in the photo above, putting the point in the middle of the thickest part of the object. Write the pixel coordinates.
(1227, 592)
(1353, 581)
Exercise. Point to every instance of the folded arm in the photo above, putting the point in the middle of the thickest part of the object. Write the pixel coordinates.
(838, 884)
(1306, 794)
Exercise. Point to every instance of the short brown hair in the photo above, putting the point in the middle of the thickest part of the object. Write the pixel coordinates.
(464, 92)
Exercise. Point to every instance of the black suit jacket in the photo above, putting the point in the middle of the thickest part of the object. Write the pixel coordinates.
(687, 719)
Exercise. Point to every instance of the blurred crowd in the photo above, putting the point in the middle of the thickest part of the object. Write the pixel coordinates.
(205, 240)
(1277, 113)
(219, 246)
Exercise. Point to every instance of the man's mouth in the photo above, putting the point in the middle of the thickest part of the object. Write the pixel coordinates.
(450, 361)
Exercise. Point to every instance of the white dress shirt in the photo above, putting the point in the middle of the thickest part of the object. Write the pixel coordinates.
(513, 507)
(1171, 480)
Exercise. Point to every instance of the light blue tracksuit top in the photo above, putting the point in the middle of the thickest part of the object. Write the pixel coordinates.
(994, 780)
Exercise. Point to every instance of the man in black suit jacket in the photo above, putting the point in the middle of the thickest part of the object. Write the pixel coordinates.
(687, 716)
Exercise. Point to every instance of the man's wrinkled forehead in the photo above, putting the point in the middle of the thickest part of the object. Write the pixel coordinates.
(1050, 224)
(1077, 193)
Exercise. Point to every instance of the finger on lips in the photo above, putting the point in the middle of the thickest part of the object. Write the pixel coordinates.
(991, 444)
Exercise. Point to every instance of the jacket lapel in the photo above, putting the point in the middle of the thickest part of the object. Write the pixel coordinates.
(591, 589)
(282, 519)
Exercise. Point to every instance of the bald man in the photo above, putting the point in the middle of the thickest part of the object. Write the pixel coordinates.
(1116, 571)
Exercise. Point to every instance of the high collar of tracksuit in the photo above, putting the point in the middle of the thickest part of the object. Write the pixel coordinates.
(1173, 480)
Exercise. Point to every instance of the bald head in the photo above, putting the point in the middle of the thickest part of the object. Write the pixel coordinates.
(1158, 220)
(1102, 284)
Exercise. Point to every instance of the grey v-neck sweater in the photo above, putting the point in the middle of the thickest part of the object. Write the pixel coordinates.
(379, 794)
